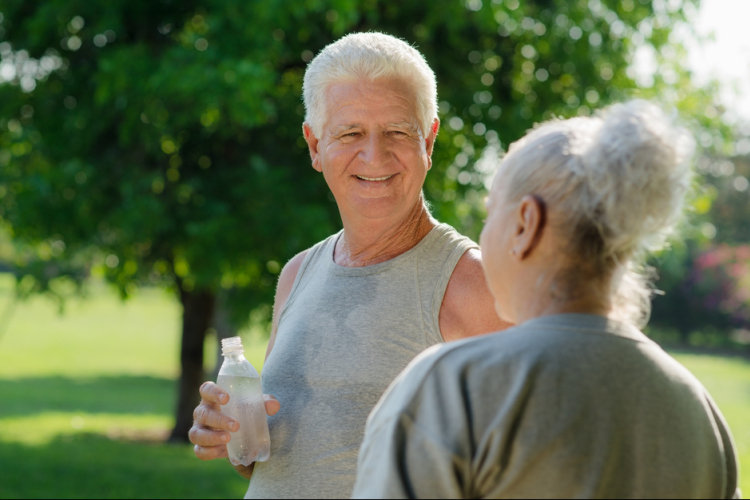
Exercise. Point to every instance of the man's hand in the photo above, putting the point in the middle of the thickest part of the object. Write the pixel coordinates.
(211, 430)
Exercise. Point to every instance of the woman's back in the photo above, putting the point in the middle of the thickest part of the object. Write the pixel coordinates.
(563, 406)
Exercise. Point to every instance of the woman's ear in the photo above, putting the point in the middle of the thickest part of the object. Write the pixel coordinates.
(312, 145)
(530, 223)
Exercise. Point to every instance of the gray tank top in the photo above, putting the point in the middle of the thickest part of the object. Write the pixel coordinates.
(343, 336)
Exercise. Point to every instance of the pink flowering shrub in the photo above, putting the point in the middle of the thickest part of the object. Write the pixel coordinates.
(719, 281)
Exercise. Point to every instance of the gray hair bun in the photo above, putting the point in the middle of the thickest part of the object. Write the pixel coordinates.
(615, 185)
(635, 172)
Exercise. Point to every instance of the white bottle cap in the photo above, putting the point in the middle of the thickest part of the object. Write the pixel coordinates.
(231, 345)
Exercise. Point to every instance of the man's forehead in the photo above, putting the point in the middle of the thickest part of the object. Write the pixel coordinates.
(343, 126)
(383, 108)
(384, 96)
(375, 87)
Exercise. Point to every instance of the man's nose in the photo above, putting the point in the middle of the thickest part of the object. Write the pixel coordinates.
(375, 152)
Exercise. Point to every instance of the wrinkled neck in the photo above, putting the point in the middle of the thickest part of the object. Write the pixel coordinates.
(359, 247)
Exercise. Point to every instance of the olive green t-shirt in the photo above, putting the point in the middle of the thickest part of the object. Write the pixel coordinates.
(562, 406)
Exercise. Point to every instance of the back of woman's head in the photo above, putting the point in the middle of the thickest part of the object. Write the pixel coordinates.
(614, 185)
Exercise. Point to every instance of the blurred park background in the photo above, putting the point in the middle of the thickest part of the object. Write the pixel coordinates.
(154, 180)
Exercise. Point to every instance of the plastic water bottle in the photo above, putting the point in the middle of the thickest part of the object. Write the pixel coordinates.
(251, 443)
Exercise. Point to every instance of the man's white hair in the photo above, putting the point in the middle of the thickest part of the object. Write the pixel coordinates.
(370, 57)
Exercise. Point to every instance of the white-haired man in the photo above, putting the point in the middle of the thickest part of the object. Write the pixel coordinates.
(353, 310)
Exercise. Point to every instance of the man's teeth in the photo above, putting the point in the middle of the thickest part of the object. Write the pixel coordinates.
(374, 178)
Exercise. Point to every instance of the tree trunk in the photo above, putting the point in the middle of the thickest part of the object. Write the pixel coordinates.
(197, 314)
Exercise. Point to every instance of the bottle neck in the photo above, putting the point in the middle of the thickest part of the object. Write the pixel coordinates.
(234, 355)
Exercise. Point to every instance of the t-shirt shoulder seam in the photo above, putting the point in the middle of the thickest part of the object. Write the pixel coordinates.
(401, 414)
(434, 359)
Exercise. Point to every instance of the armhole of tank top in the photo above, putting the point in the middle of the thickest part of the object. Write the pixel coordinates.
(311, 255)
(451, 262)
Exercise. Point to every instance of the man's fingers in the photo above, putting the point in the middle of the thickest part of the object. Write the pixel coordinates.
(203, 436)
(212, 393)
(210, 452)
(272, 405)
(207, 416)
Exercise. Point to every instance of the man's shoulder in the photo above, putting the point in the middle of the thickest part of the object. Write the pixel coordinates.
(468, 306)
(468, 273)
(289, 274)
(468, 285)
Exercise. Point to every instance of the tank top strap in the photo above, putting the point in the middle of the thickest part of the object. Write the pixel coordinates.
(435, 266)
(313, 263)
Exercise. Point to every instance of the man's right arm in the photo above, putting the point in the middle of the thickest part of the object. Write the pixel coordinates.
(211, 429)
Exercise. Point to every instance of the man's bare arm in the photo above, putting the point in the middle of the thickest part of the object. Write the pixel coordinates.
(283, 290)
(212, 429)
(468, 307)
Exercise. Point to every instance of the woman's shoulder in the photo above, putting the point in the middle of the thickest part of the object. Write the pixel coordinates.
(443, 368)
(556, 349)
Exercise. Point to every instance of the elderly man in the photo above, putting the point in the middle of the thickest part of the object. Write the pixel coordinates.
(355, 309)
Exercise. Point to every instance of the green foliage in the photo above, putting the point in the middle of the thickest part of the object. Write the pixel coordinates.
(727, 180)
(165, 136)
(172, 161)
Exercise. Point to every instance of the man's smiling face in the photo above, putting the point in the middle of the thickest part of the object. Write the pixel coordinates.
(372, 152)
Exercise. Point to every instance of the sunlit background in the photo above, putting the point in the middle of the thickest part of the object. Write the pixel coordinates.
(153, 181)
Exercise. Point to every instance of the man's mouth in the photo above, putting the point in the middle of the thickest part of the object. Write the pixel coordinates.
(374, 179)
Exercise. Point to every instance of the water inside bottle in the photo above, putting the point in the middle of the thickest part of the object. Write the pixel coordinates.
(252, 442)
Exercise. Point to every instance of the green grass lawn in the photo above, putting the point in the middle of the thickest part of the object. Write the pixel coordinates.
(87, 398)
(728, 382)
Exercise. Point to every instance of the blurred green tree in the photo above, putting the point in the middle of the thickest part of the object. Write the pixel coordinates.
(160, 140)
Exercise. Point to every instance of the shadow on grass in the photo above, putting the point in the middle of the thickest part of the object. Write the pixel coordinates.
(124, 394)
(93, 466)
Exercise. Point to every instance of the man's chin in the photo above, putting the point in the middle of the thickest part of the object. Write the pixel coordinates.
(377, 208)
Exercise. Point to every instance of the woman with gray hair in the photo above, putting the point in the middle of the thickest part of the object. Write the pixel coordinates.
(575, 401)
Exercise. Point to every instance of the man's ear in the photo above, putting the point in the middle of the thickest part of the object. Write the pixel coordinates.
(312, 145)
(530, 223)
(429, 141)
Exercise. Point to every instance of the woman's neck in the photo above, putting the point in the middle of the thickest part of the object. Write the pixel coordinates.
(375, 242)
(543, 293)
